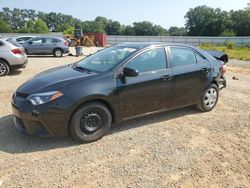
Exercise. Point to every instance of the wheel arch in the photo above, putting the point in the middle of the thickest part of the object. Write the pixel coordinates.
(5, 61)
(215, 82)
(57, 48)
(97, 100)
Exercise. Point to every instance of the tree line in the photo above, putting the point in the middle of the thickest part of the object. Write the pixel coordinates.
(199, 21)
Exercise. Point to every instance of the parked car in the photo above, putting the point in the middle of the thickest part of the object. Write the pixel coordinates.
(115, 84)
(46, 46)
(23, 39)
(12, 56)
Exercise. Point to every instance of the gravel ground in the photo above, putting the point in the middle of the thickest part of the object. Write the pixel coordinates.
(180, 148)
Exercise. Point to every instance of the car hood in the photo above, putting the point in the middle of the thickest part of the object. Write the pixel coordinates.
(54, 79)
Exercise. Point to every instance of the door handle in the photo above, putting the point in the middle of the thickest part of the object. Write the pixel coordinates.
(205, 69)
(166, 78)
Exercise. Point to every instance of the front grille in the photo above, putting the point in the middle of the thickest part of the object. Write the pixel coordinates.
(21, 95)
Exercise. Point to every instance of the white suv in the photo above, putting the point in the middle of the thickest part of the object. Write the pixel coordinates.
(12, 56)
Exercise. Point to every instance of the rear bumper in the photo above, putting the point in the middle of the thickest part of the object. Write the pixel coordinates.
(19, 66)
(222, 83)
(66, 51)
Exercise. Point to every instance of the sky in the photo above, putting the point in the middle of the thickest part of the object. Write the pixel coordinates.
(161, 12)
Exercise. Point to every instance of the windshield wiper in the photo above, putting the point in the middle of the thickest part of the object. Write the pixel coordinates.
(82, 68)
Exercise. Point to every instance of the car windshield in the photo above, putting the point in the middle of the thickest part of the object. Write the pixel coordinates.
(106, 59)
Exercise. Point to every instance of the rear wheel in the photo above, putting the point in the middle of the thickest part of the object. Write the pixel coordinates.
(90, 123)
(58, 53)
(209, 98)
(4, 68)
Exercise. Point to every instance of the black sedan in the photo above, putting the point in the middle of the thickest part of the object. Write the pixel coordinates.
(115, 84)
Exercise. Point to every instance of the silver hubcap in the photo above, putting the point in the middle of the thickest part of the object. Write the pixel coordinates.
(3, 69)
(210, 98)
(58, 53)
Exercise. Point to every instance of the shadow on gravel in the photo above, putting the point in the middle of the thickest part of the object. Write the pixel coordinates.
(41, 56)
(154, 118)
(15, 72)
(11, 141)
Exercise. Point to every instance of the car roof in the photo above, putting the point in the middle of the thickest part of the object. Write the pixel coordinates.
(141, 45)
(25, 36)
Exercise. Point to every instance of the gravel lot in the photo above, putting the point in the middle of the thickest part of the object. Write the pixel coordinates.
(180, 148)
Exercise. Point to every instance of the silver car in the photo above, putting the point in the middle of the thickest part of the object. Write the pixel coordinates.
(46, 46)
(12, 56)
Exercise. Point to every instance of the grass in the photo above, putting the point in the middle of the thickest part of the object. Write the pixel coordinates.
(233, 51)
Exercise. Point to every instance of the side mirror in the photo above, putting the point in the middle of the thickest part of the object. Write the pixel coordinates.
(128, 72)
(30, 42)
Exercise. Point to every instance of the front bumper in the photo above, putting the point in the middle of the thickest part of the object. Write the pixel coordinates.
(43, 120)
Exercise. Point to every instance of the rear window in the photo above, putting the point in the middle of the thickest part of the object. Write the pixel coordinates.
(13, 42)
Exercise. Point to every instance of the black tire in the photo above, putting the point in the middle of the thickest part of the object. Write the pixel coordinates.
(209, 98)
(94, 116)
(4, 68)
(26, 52)
(58, 52)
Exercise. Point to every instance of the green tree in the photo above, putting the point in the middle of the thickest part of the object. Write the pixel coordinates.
(63, 27)
(113, 28)
(241, 22)
(228, 33)
(4, 27)
(41, 27)
(69, 30)
(206, 21)
(129, 30)
(177, 31)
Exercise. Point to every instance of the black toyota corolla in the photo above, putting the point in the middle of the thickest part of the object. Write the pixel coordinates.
(115, 84)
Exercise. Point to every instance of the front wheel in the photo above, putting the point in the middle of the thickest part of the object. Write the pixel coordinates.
(209, 98)
(90, 123)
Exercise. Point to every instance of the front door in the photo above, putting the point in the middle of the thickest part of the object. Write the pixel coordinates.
(36, 46)
(150, 90)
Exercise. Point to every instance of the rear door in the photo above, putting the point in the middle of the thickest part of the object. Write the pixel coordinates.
(51, 44)
(150, 90)
(191, 73)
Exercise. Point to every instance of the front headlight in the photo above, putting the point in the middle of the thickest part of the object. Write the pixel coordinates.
(41, 98)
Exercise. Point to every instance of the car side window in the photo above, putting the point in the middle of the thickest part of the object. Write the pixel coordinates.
(37, 41)
(199, 58)
(56, 40)
(182, 56)
(1, 44)
(150, 60)
(48, 41)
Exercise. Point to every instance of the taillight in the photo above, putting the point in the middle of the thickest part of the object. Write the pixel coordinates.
(223, 69)
(66, 43)
(16, 51)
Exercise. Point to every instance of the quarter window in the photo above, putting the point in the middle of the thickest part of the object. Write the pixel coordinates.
(149, 61)
(199, 58)
(182, 56)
